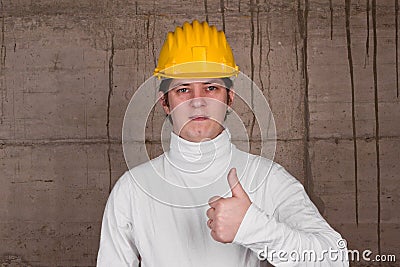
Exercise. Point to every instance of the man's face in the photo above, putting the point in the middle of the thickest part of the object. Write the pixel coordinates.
(197, 107)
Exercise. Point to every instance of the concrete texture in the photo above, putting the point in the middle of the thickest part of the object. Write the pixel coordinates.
(69, 68)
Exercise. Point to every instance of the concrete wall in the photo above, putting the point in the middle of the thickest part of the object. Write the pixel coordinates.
(69, 68)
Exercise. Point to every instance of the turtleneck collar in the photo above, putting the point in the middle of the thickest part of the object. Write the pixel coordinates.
(195, 157)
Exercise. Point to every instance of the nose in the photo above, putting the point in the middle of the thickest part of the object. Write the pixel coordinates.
(198, 99)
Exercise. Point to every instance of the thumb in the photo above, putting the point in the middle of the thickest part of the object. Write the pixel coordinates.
(234, 184)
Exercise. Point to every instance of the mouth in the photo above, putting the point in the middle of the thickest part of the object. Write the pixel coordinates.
(198, 118)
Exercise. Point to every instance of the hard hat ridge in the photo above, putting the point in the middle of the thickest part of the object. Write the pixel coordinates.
(196, 50)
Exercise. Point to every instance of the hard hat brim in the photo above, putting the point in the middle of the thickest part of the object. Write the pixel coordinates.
(197, 69)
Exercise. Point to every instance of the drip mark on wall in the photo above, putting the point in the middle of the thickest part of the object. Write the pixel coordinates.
(378, 169)
(206, 10)
(3, 62)
(295, 41)
(331, 11)
(137, 60)
(155, 93)
(308, 174)
(137, 48)
(253, 121)
(260, 42)
(222, 4)
(260, 61)
(146, 48)
(267, 29)
(252, 46)
(308, 177)
(147, 26)
(3, 47)
(300, 22)
(153, 49)
(258, 22)
(366, 59)
(396, 10)
(353, 119)
(110, 92)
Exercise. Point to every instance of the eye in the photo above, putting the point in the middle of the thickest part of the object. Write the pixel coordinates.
(212, 88)
(182, 90)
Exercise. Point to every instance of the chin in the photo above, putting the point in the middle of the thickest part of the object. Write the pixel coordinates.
(200, 133)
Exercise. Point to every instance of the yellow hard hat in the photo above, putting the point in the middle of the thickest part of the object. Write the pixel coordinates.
(196, 50)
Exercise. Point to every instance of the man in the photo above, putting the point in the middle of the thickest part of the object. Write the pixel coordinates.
(155, 212)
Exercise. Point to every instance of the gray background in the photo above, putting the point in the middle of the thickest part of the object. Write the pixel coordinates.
(68, 69)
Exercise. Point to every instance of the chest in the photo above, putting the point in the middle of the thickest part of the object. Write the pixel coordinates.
(167, 236)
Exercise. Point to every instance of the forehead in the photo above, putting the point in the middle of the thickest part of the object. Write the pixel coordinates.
(177, 82)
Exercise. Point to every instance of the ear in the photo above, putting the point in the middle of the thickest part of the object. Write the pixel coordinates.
(231, 96)
(163, 102)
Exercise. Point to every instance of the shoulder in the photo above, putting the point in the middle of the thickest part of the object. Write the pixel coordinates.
(148, 165)
(266, 173)
(127, 181)
(122, 189)
(267, 166)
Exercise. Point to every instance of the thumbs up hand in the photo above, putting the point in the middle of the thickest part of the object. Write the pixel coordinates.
(226, 214)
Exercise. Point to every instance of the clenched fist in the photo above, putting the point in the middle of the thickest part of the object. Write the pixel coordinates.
(226, 214)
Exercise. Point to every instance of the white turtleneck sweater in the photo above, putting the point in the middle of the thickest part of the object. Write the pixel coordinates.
(158, 210)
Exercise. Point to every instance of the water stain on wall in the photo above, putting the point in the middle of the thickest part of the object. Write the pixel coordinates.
(376, 109)
(353, 115)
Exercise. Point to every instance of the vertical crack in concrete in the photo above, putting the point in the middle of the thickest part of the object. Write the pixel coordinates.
(295, 38)
(396, 11)
(308, 177)
(153, 47)
(137, 59)
(3, 61)
(147, 27)
(260, 43)
(222, 5)
(366, 58)
(3, 47)
(303, 19)
(267, 31)
(253, 121)
(87, 166)
(206, 10)
(306, 102)
(146, 50)
(300, 22)
(353, 120)
(378, 167)
(15, 41)
(239, 6)
(86, 100)
(155, 93)
(258, 21)
(261, 48)
(110, 92)
(260, 59)
(331, 11)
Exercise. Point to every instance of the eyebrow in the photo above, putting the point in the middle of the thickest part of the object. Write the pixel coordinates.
(187, 84)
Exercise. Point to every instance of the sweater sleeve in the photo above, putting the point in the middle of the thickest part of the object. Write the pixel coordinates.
(117, 242)
(292, 232)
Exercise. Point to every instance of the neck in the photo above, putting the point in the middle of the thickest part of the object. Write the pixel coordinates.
(198, 138)
(195, 157)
